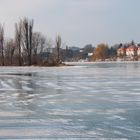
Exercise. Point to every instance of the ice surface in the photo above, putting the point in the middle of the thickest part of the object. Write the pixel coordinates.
(86, 101)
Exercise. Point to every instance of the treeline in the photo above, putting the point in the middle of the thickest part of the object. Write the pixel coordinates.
(103, 51)
(27, 46)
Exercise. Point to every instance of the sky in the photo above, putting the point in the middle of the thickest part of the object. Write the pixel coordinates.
(78, 22)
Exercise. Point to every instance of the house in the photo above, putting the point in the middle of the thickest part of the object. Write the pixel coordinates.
(121, 51)
(74, 49)
(131, 51)
(138, 51)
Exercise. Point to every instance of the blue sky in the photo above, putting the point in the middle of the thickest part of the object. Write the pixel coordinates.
(79, 22)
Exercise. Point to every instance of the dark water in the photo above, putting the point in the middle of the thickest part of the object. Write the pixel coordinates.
(86, 101)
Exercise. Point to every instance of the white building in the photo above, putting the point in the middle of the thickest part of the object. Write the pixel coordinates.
(131, 50)
(138, 51)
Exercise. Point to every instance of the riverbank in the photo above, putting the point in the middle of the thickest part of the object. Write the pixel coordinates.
(100, 62)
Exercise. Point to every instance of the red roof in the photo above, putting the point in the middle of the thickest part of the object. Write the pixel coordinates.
(132, 48)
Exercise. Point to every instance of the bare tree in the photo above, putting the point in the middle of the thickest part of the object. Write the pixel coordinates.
(18, 40)
(43, 42)
(2, 43)
(38, 43)
(27, 36)
(48, 45)
(58, 45)
(9, 51)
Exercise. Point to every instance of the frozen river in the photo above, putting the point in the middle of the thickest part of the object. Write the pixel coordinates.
(86, 101)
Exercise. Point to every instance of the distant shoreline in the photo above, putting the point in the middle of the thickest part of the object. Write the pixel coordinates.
(65, 64)
(95, 62)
